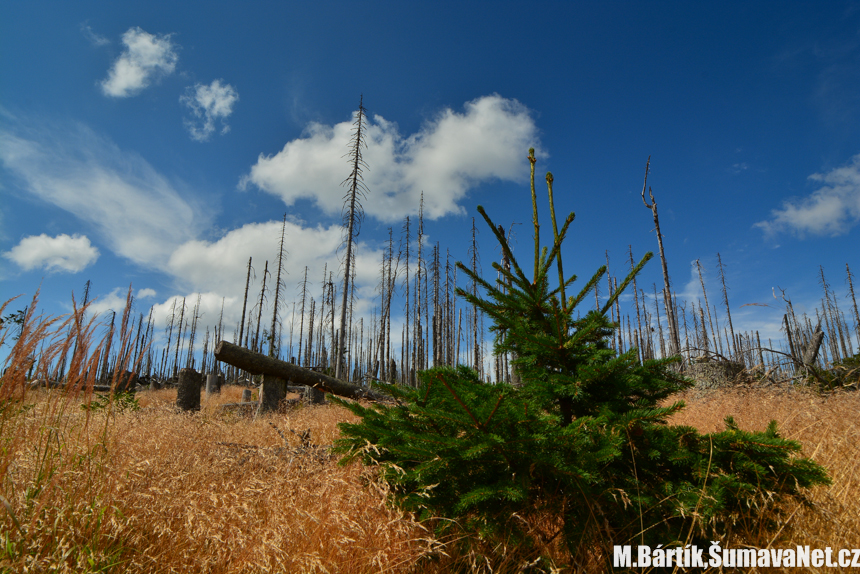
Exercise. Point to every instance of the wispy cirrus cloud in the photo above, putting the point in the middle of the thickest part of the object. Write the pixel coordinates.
(448, 156)
(96, 40)
(63, 253)
(833, 209)
(135, 210)
(209, 104)
(146, 57)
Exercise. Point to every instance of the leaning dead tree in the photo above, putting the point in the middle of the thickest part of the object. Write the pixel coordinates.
(674, 340)
(277, 373)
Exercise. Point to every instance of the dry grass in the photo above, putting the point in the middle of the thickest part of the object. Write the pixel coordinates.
(828, 429)
(156, 490)
(173, 492)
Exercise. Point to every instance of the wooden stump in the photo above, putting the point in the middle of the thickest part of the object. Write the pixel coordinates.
(213, 385)
(317, 396)
(272, 392)
(188, 392)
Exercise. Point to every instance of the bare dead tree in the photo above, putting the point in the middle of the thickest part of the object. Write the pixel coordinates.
(418, 331)
(169, 337)
(278, 283)
(404, 367)
(179, 339)
(475, 262)
(195, 315)
(853, 303)
(309, 356)
(726, 299)
(352, 214)
(707, 305)
(302, 312)
(675, 344)
(219, 334)
(260, 308)
(332, 289)
(245, 302)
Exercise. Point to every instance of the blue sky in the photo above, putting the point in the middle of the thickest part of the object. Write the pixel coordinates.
(160, 144)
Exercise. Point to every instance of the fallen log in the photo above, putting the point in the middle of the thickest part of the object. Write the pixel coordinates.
(258, 364)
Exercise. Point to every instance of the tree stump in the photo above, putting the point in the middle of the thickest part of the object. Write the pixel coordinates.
(272, 392)
(188, 392)
(317, 396)
(213, 385)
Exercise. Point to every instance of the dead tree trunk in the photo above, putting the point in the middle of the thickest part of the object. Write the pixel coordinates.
(259, 364)
(675, 344)
(810, 352)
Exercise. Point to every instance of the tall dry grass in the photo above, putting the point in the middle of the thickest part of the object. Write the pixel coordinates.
(829, 430)
(156, 490)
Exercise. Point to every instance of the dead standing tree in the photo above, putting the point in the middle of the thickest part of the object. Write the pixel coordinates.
(674, 342)
(274, 350)
(353, 214)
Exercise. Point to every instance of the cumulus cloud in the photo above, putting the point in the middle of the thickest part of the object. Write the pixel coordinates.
(217, 269)
(448, 156)
(137, 212)
(833, 209)
(220, 265)
(146, 57)
(62, 253)
(209, 104)
(112, 302)
(145, 293)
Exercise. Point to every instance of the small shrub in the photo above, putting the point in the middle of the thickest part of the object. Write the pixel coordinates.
(122, 401)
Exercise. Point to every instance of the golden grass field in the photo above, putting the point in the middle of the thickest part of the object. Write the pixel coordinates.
(160, 491)
(155, 490)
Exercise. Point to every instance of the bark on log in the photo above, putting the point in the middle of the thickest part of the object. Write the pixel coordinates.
(258, 364)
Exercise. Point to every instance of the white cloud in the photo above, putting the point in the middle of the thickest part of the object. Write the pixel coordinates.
(146, 293)
(137, 211)
(95, 39)
(113, 301)
(221, 265)
(209, 104)
(71, 254)
(831, 210)
(449, 155)
(217, 269)
(145, 57)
